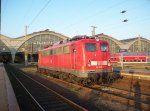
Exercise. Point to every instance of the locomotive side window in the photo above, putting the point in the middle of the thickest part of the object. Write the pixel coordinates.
(54, 51)
(42, 53)
(90, 47)
(66, 49)
(58, 50)
(104, 47)
(51, 52)
(47, 53)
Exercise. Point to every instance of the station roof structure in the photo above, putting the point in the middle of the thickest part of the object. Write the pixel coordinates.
(39, 40)
(136, 44)
(30, 43)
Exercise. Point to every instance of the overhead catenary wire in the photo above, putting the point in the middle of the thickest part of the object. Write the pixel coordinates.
(3, 11)
(0, 21)
(95, 14)
(28, 11)
(114, 26)
(0, 14)
(102, 12)
(29, 8)
(39, 12)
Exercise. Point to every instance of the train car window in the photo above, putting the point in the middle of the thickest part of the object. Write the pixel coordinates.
(104, 47)
(124, 61)
(90, 47)
(43, 53)
(134, 60)
(58, 50)
(143, 60)
(66, 49)
(54, 51)
(51, 52)
(47, 53)
(139, 61)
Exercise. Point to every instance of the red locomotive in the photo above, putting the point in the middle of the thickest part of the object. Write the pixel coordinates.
(81, 59)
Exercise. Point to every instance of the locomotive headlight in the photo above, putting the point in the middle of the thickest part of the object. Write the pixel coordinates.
(89, 63)
(109, 62)
(97, 39)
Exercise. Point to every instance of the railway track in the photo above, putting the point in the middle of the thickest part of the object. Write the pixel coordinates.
(123, 95)
(128, 94)
(119, 95)
(42, 97)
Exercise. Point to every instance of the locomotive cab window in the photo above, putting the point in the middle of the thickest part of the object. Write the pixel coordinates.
(90, 47)
(104, 47)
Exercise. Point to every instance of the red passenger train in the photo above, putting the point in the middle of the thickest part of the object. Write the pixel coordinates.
(81, 59)
(131, 57)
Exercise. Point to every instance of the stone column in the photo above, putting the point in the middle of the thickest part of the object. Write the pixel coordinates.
(13, 53)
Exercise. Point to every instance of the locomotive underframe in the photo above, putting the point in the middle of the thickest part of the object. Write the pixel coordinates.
(84, 77)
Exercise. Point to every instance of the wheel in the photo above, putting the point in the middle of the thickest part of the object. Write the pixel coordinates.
(84, 82)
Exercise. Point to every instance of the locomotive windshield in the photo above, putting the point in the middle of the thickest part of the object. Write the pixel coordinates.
(90, 47)
(104, 47)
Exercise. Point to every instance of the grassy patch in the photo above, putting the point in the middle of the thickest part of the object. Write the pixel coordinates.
(30, 69)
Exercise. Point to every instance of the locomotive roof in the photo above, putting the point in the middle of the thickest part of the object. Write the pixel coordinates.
(73, 40)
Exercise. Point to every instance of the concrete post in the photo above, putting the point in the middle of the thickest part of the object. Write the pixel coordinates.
(26, 58)
(121, 60)
(26, 54)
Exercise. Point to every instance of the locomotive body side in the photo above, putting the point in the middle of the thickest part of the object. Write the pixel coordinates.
(83, 58)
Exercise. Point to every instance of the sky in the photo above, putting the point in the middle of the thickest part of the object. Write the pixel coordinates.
(75, 17)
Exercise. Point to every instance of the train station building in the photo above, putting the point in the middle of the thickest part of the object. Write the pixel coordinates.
(17, 50)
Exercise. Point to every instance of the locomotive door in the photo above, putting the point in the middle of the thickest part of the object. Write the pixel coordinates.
(104, 51)
(73, 57)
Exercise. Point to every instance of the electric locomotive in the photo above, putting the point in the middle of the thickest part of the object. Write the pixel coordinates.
(82, 60)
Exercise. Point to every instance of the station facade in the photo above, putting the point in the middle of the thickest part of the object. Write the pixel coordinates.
(137, 44)
(18, 49)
